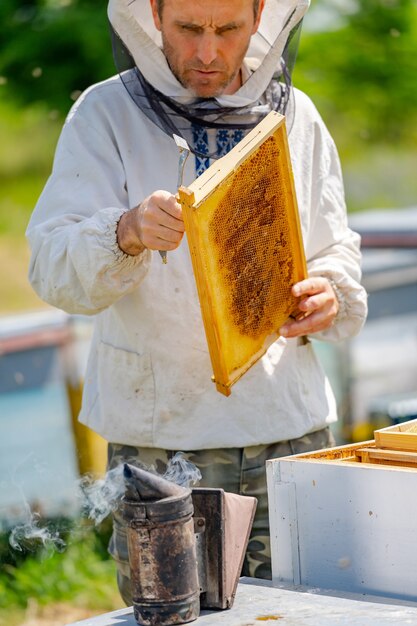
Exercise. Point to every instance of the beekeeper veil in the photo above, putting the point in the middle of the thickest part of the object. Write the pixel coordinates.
(144, 70)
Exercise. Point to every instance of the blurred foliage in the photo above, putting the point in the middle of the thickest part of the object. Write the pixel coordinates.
(50, 50)
(28, 138)
(83, 573)
(362, 75)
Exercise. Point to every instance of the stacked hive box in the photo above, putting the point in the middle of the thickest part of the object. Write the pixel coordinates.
(345, 518)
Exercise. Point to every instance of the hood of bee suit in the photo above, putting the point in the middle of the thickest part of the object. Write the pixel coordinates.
(132, 21)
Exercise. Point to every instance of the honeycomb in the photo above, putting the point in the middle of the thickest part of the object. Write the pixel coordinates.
(255, 254)
(246, 247)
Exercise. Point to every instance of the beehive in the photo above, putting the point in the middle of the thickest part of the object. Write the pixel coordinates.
(243, 230)
(344, 518)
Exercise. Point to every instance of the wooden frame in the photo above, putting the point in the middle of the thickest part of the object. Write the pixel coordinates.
(399, 437)
(393, 446)
(244, 235)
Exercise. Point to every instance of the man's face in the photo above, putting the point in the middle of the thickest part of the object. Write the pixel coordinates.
(205, 41)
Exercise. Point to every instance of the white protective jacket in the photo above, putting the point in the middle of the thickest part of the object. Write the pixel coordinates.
(148, 380)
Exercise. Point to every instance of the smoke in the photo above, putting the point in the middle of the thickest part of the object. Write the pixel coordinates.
(101, 497)
(32, 533)
(181, 471)
(98, 498)
(29, 535)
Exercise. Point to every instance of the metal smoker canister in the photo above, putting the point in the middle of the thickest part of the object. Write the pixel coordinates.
(162, 549)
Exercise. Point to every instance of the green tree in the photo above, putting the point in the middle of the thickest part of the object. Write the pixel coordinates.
(50, 50)
(362, 75)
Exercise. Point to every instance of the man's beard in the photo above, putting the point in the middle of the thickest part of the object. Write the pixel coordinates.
(208, 90)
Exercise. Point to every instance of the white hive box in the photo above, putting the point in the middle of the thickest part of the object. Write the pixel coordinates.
(346, 519)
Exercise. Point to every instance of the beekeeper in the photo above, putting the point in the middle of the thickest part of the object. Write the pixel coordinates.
(207, 70)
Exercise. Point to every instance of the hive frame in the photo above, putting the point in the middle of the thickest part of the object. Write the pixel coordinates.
(195, 200)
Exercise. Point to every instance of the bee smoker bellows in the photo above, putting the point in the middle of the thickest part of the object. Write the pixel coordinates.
(162, 549)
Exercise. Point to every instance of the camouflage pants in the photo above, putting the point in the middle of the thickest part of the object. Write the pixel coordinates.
(237, 470)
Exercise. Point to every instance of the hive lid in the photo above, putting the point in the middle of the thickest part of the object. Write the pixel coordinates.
(243, 230)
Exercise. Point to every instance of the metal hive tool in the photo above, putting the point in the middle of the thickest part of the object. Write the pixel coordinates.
(243, 229)
(184, 151)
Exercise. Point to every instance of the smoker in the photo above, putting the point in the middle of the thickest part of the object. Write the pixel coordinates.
(186, 547)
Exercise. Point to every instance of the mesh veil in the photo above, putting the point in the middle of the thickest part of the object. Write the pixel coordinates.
(174, 117)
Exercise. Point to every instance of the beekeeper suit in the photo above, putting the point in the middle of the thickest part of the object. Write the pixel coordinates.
(147, 386)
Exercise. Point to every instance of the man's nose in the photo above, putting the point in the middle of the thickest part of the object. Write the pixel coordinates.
(207, 48)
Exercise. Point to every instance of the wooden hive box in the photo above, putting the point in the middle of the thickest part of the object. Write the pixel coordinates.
(345, 519)
(244, 234)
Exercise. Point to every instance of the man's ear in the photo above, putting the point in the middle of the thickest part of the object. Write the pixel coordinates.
(155, 14)
(258, 17)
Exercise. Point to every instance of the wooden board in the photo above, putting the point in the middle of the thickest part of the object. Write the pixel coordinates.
(399, 437)
(243, 230)
(400, 458)
(367, 452)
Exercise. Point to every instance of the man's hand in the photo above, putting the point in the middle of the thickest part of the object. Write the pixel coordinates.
(155, 224)
(317, 308)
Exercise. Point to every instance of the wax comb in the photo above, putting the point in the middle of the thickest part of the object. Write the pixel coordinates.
(244, 234)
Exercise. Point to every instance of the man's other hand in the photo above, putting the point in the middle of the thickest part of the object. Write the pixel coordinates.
(155, 224)
(317, 308)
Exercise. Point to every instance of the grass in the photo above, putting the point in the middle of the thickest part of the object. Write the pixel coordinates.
(26, 152)
(49, 585)
(16, 294)
(381, 178)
